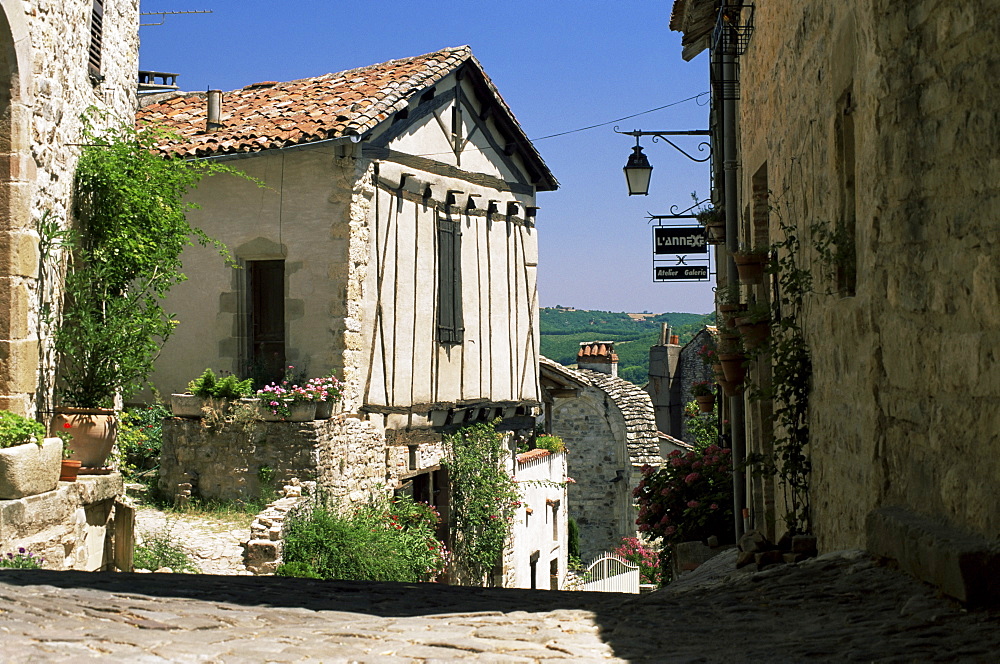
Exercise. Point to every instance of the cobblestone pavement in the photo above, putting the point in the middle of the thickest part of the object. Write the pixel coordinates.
(215, 544)
(839, 607)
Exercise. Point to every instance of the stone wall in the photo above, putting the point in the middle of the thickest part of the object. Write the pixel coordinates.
(44, 88)
(344, 456)
(881, 117)
(68, 527)
(690, 370)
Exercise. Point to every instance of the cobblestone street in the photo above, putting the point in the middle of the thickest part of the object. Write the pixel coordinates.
(839, 607)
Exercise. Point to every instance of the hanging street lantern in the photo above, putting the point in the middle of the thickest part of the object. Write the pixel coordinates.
(638, 172)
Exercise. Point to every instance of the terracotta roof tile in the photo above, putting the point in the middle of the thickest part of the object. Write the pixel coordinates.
(271, 114)
(531, 455)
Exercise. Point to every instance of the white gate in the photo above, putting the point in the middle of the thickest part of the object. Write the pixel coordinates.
(611, 574)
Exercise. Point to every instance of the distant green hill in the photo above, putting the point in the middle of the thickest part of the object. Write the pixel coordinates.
(562, 331)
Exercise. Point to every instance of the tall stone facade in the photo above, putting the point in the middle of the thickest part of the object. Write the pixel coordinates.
(609, 429)
(875, 124)
(673, 370)
(46, 83)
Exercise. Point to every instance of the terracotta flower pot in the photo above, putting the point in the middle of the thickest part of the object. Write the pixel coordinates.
(94, 431)
(750, 267)
(706, 402)
(69, 470)
(754, 334)
(716, 232)
(729, 388)
(732, 367)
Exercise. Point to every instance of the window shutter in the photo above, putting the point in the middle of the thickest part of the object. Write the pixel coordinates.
(96, 38)
(449, 320)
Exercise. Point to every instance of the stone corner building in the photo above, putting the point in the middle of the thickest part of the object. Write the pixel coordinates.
(394, 243)
(57, 59)
(875, 125)
(610, 432)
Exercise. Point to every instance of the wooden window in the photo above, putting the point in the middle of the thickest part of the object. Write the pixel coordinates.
(266, 325)
(449, 319)
(96, 39)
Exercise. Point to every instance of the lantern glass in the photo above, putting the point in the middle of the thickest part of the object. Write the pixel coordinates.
(637, 173)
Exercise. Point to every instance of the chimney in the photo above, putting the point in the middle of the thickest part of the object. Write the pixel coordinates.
(214, 110)
(598, 356)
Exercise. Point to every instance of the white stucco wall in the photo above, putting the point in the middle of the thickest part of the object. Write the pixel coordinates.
(544, 530)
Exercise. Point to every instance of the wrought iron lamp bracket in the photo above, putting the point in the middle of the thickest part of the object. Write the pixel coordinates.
(662, 135)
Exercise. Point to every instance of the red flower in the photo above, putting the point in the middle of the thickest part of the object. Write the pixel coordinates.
(67, 425)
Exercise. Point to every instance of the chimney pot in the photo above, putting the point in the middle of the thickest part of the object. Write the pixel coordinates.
(214, 111)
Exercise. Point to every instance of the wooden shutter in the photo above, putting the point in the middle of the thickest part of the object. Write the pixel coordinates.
(450, 326)
(96, 38)
(266, 291)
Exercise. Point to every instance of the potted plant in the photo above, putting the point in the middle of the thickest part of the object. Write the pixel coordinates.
(704, 394)
(326, 392)
(29, 462)
(750, 263)
(730, 303)
(754, 325)
(714, 220)
(208, 389)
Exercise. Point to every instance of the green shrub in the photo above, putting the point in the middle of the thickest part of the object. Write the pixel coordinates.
(386, 541)
(553, 444)
(161, 549)
(231, 387)
(140, 438)
(17, 430)
(204, 385)
(573, 535)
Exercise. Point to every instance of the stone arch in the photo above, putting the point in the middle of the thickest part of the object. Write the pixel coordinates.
(18, 239)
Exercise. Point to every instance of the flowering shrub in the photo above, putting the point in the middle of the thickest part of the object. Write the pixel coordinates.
(709, 354)
(689, 498)
(484, 498)
(23, 559)
(632, 550)
(385, 541)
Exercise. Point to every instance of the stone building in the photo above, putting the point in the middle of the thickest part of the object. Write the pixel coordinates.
(673, 369)
(870, 130)
(57, 59)
(609, 429)
(392, 240)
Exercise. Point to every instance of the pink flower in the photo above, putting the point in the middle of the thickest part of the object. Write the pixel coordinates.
(696, 465)
(714, 506)
(670, 530)
(676, 463)
(665, 492)
(693, 503)
(692, 478)
(644, 528)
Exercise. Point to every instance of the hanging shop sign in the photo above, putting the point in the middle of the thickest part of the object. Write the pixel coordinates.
(680, 273)
(679, 240)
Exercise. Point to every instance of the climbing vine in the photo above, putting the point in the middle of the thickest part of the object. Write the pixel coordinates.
(130, 204)
(483, 498)
(791, 378)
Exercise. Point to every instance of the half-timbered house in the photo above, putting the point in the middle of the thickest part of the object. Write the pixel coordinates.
(388, 235)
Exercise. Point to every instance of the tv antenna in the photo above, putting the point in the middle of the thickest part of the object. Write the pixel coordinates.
(163, 15)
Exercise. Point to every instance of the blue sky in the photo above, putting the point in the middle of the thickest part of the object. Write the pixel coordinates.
(559, 65)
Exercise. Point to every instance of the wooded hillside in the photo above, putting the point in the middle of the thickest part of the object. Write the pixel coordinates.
(562, 331)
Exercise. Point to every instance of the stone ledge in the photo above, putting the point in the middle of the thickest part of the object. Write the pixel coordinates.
(962, 565)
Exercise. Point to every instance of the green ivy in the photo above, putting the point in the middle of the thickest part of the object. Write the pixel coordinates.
(791, 382)
(483, 498)
(129, 202)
